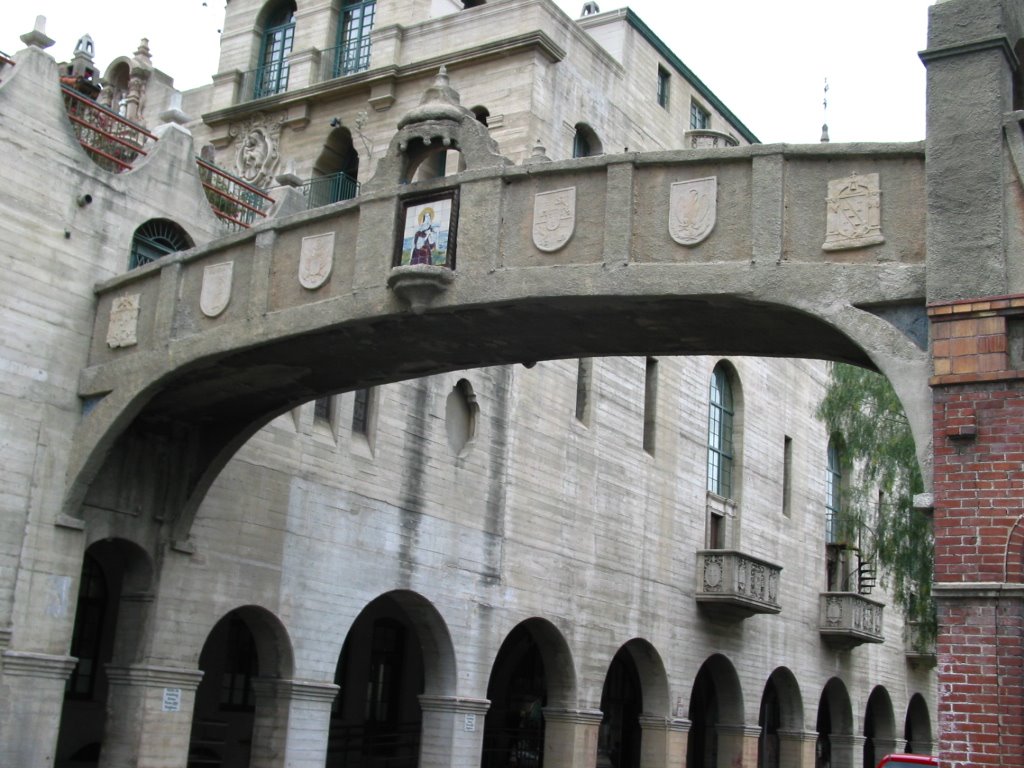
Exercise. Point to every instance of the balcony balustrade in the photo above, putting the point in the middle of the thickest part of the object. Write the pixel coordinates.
(345, 59)
(237, 204)
(324, 190)
(264, 81)
(848, 619)
(705, 138)
(733, 585)
(112, 141)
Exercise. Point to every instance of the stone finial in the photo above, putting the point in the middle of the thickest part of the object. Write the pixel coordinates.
(85, 47)
(824, 133)
(440, 102)
(537, 155)
(141, 59)
(590, 9)
(38, 38)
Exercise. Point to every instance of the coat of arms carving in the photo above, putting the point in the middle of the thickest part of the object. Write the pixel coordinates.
(853, 218)
(692, 209)
(216, 291)
(554, 218)
(316, 259)
(256, 156)
(124, 321)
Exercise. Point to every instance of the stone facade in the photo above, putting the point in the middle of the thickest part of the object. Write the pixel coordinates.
(479, 567)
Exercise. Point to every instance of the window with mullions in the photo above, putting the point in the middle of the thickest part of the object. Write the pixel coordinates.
(833, 493)
(720, 442)
(272, 74)
(700, 118)
(352, 53)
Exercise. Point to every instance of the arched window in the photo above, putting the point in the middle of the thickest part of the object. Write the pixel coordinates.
(156, 238)
(585, 142)
(720, 434)
(352, 53)
(833, 492)
(278, 34)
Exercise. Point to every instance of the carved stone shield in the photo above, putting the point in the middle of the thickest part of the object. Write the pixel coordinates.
(691, 209)
(854, 213)
(554, 218)
(316, 259)
(124, 321)
(216, 291)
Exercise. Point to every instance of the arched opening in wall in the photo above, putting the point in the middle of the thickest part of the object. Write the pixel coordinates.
(116, 575)
(618, 740)
(431, 161)
(277, 25)
(585, 142)
(482, 113)
(781, 715)
(461, 414)
(1018, 77)
(716, 711)
(917, 728)
(834, 725)
(336, 170)
(245, 649)
(115, 86)
(533, 670)
(157, 238)
(394, 652)
(879, 728)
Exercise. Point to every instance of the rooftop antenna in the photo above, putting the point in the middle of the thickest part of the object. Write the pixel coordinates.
(824, 125)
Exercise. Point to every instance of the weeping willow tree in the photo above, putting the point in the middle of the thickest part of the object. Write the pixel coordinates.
(861, 408)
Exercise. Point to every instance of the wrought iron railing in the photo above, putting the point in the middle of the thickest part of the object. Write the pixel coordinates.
(345, 59)
(264, 81)
(113, 142)
(235, 202)
(5, 60)
(324, 190)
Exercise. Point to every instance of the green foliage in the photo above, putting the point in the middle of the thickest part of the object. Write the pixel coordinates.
(861, 409)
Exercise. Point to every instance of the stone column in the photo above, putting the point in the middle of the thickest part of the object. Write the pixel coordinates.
(303, 69)
(149, 715)
(885, 747)
(847, 751)
(32, 687)
(452, 732)
(291, 724)
(663, 743)
(570, 737)
(737, 745)
(796, 748)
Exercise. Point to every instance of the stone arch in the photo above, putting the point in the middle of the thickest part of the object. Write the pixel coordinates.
(238, 704)
(716, 715)
(1013, 565)
(396, 653)
(336, 170)
(115, 84)
(114, 595)
(532, 674)
(834, 725)
(781, 719)
(917, 726)
(879, 727)
(653, 676)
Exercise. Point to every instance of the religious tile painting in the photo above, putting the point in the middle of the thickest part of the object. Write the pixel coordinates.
(428, 231)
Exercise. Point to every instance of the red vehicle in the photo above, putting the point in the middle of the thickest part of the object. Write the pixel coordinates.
(899, 761)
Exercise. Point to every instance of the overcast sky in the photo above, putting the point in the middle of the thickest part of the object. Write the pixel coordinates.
(767, 61)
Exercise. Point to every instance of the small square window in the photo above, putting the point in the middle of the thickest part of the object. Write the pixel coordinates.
(663, 87)
(700, 118)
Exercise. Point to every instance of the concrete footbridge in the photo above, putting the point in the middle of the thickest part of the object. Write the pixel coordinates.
(769, 250)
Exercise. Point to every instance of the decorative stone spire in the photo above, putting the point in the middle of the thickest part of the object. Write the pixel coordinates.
(85, 48)
(824, 106)
(537, 155)
(440, 102)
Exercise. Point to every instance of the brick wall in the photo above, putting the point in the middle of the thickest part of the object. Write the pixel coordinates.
(978, 476)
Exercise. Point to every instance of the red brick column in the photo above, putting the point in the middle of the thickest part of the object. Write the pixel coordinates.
(978, 421)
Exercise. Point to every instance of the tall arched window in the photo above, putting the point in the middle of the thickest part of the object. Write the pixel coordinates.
(353, 51)
(272, 74)
(833, 492)
(720, 434)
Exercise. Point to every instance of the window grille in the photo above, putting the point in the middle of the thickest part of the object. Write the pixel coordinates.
(157, 238)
